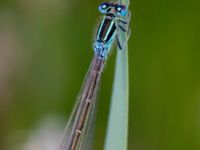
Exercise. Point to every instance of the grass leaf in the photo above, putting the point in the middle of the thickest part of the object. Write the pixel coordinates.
(117, 133)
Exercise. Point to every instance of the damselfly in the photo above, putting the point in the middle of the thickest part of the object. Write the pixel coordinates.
(114, 23)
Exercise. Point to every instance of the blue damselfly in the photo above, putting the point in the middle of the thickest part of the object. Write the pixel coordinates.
(115, 22)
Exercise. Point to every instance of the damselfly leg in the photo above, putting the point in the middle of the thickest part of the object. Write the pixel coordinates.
(123, 32)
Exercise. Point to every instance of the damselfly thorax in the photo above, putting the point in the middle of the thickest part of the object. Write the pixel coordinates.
(108, 29)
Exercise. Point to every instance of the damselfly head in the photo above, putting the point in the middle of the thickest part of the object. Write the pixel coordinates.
(112, 8)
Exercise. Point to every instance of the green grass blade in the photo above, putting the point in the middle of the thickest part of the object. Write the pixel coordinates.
(117, 133)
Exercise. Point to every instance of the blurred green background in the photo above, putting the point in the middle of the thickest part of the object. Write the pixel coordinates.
(46, 48)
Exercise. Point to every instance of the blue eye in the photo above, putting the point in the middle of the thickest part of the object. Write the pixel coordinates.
(103, 8)
(121, 10)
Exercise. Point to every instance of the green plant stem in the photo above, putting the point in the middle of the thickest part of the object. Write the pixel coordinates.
(117, 133)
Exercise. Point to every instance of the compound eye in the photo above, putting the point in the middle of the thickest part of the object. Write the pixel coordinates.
(121, 10)
(103, 8)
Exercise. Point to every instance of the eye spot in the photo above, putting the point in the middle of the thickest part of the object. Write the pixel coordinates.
(119, 9)
(104, 6)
